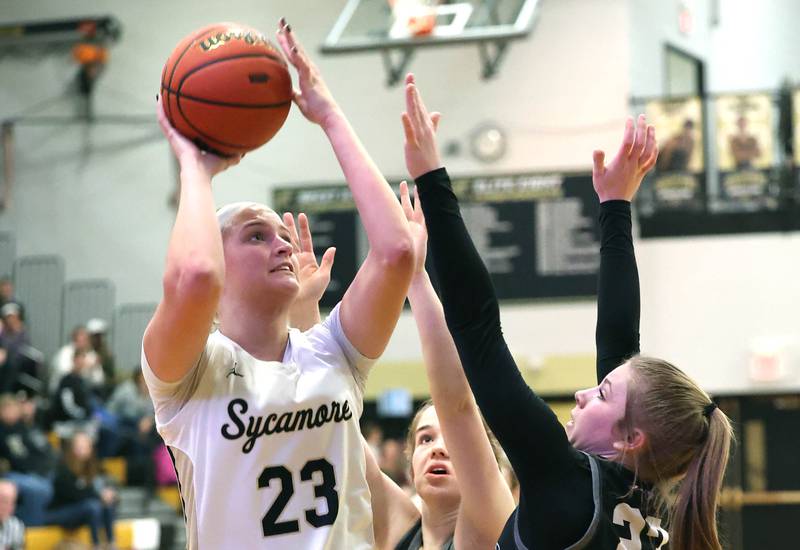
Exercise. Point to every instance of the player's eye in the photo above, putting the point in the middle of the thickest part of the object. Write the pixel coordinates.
(600, 395)
(257, 236)
(425, 438)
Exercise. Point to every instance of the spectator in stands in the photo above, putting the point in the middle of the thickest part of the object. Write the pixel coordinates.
(82, 496)
(97, 335)
(393, 462)
(7, 296)
(132, 406)
(33, 418)
(373, 434)
(14, 340)
(28, 460)
(74, 401)
(63, 360)
(76, 407)
(12, 530)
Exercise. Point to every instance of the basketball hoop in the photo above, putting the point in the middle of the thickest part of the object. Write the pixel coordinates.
(418, 18)
(87, 54)
(92, 60)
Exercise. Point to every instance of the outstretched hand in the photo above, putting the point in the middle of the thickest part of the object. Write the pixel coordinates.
(187, 153)
(416, 223)
(313, 97)
(636, 156)
(313, 277)
(422, 152)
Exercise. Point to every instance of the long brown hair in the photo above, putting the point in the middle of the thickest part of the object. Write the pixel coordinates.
(83, 469)
(686, 449)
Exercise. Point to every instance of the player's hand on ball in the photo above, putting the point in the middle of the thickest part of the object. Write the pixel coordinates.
(422, 152)
(636, 156)
(187, 153)
(313, 97)
(313, 277)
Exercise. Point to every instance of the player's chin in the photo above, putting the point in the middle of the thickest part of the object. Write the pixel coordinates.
(442, 486)
(573, 437)
(286, 286)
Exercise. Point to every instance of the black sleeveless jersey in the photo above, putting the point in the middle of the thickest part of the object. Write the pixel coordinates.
(620, 520)
(413, 539)
(567, 499)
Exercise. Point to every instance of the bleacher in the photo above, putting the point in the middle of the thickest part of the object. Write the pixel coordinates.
(53, 306)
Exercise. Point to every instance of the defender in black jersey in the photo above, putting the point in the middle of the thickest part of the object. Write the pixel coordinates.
(644, 415)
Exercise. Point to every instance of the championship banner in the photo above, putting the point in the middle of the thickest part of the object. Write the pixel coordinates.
(745, 147)
(678, 181)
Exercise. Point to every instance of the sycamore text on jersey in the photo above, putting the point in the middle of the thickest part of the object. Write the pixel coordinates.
(289, 421)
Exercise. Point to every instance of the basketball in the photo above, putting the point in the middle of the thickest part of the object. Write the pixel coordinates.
(226, 88)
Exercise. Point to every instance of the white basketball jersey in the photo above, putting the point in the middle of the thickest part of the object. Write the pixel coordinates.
(269, 454)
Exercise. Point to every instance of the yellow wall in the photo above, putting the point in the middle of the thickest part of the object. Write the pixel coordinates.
(558, 375)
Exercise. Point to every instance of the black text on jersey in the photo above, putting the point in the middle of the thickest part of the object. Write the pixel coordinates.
(273, 423)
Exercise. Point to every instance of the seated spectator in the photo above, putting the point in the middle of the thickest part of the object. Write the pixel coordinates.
(394, 463)
(7, 295)
(76, 407)
(74, 401)
(12, 530)
(82, 496)
(133, 408)
(15, 341)
(373, 434)
(131, 401)
(28, 460)
(131, 405)
(34, 417)
(97, 335)
(62, 362)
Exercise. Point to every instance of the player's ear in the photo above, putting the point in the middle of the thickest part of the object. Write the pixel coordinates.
(631, 443)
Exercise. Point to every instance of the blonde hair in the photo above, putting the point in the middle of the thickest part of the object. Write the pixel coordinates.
(686, 449)
(226, 215)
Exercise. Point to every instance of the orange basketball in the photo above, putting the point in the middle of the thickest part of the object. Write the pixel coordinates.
(227, 88)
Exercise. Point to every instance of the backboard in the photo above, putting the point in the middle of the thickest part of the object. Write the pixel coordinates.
(49, 36)
(404, 25)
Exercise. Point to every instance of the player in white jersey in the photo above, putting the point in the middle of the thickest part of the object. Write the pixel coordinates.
(262, 421)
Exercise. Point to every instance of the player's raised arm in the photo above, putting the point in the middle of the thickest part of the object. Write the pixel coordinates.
(195, 266)
(618, 303)
(486, 501)
(374, 300)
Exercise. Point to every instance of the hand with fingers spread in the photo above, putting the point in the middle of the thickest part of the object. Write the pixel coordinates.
(416, 222)
(637, 155)
(313, 277)
(187, 153)
(313, 98)
(422, 152)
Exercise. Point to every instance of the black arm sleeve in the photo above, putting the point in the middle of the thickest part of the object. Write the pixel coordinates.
(617, 334)
(556, 503)
(473, 317)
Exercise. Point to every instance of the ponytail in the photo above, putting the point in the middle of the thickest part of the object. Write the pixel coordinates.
(693, 524)
(688, 443)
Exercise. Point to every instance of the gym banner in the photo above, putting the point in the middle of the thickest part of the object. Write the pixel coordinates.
(537, 233)
(745, 153)
(678, 181)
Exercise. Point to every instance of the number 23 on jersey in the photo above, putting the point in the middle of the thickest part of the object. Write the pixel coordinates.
(325, 489)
